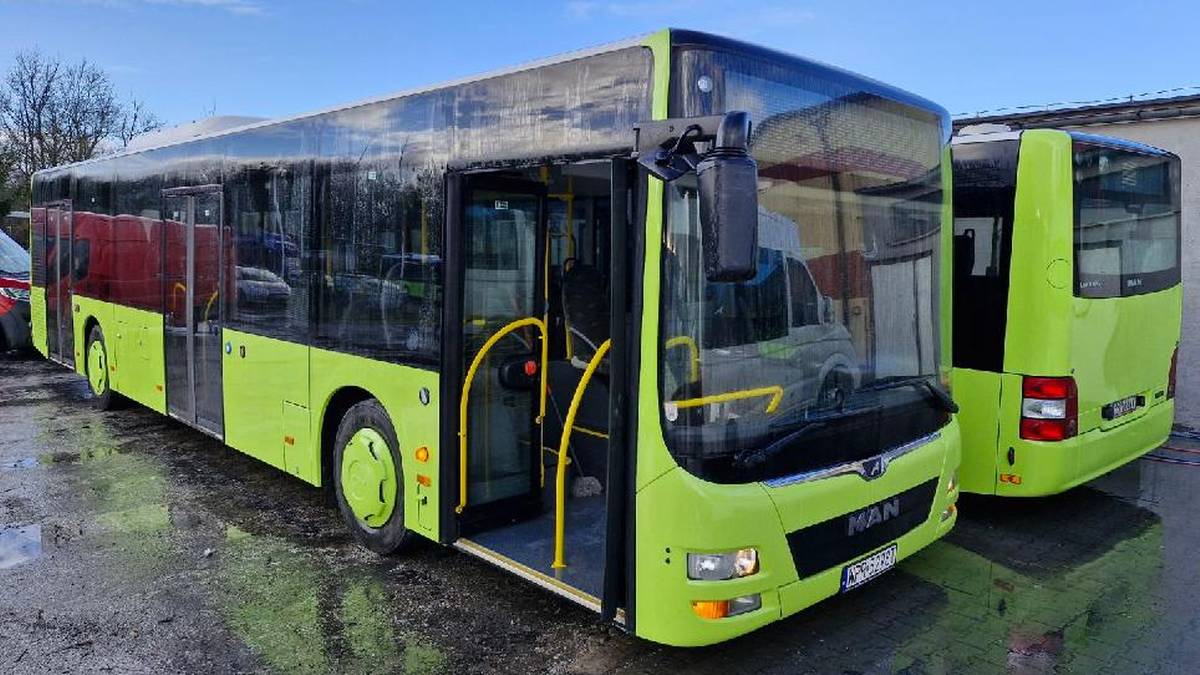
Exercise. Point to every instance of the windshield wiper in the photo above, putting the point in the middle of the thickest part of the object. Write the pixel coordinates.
(804, 425)
(934, 393)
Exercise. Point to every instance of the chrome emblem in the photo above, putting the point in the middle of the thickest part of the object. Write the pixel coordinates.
(873, 515)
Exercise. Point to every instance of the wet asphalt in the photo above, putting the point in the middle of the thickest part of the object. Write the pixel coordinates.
(130, 543)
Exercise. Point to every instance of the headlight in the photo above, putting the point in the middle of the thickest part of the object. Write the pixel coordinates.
(721, 566)
(719, 609)
(14, 293)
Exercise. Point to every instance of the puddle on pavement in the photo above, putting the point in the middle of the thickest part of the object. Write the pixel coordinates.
(23, 463)
(19, 545)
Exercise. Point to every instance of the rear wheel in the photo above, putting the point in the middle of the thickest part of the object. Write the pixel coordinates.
(96, 369)
(368, 478)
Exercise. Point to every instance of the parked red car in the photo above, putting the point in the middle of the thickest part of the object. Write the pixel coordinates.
(14, 295)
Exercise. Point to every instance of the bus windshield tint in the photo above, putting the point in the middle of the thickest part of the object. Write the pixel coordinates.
(1126, 221)
(846, 297)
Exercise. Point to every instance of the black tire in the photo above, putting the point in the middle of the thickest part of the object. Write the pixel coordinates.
(107, 399)
(392, 535)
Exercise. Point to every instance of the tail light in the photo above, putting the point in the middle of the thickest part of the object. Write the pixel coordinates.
(1171, 373)
(1049, 408)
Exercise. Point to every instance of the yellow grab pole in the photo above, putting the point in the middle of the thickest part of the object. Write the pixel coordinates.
(693, 352)
(560, 506)
(466, 395)
(774, 391)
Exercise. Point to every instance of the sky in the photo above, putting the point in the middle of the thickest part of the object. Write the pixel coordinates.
(188, 59)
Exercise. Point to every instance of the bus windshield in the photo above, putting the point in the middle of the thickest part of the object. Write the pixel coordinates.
(1127, 221)
(828, 355)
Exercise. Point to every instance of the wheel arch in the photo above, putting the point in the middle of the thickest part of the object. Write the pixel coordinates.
(339, 402)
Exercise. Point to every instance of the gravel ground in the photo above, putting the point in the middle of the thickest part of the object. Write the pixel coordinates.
(130, 543)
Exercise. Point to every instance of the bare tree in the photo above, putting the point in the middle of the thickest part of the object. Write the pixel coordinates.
(26, 111)
(53, 113)
(136, 120)
(84, 111)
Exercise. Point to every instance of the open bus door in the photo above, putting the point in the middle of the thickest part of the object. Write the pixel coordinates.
(535, 294)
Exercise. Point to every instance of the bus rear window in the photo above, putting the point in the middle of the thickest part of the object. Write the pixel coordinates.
(1126, 221)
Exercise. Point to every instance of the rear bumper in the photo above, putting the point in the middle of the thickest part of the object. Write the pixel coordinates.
(1050, 468)
(14, 324)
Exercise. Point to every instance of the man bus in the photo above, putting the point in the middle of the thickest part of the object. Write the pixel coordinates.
(1067, 306)
(624, 407)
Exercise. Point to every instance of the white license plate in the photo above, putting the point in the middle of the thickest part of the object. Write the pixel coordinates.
(1123, 407)
(859, 573)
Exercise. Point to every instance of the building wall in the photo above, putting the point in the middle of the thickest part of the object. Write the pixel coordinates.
(1182, 137)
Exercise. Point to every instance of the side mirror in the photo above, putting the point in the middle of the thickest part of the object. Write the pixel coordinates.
(727, 180)
(728, 185)
(826, 309)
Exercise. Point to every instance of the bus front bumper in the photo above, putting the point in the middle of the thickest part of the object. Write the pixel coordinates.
(799, 532)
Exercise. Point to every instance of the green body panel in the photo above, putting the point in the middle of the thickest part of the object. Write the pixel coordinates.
(259, 375)
(37, 319)
(977, 393)
(398, 389)
(83, 310)
(676, 512)
(1113, 347)
(137, 352)
(134, 341)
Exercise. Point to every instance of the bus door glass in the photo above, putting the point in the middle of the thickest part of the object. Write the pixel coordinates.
(192, 284)
(503, 221)
(59, 265)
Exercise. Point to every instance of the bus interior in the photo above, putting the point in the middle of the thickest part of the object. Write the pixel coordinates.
(537, 265)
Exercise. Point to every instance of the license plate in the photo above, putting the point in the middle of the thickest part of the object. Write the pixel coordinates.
(859, 573)
(1122, 407)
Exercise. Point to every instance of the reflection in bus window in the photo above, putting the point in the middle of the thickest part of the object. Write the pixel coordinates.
(1126, 221)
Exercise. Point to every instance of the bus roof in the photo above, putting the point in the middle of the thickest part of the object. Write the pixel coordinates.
(989, 136)
(678, 37)
(529, 65)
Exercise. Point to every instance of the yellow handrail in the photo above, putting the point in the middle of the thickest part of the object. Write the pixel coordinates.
(560, 507)
(774, 391)
(693, 350)
(466, 394)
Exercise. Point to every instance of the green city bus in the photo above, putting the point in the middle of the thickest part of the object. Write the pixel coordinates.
(656, 325)
(1067, 305)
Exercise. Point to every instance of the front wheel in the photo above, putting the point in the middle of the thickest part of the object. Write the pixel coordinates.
(96, 369)
(368, 478)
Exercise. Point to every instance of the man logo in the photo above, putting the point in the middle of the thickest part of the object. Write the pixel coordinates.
(873, 468)
(873, 515)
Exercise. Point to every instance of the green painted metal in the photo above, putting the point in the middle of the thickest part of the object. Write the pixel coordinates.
(368, 477)
(97, 367)
(259, 376)
(1113, 347)
(37, 319)
(413, 415)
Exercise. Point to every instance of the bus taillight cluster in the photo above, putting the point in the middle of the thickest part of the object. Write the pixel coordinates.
(1049, 408)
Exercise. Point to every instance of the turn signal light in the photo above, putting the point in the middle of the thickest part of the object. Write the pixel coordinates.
(711, 609)
(1049, 408)
(424, 480)
(720, 609)
(422, 454)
